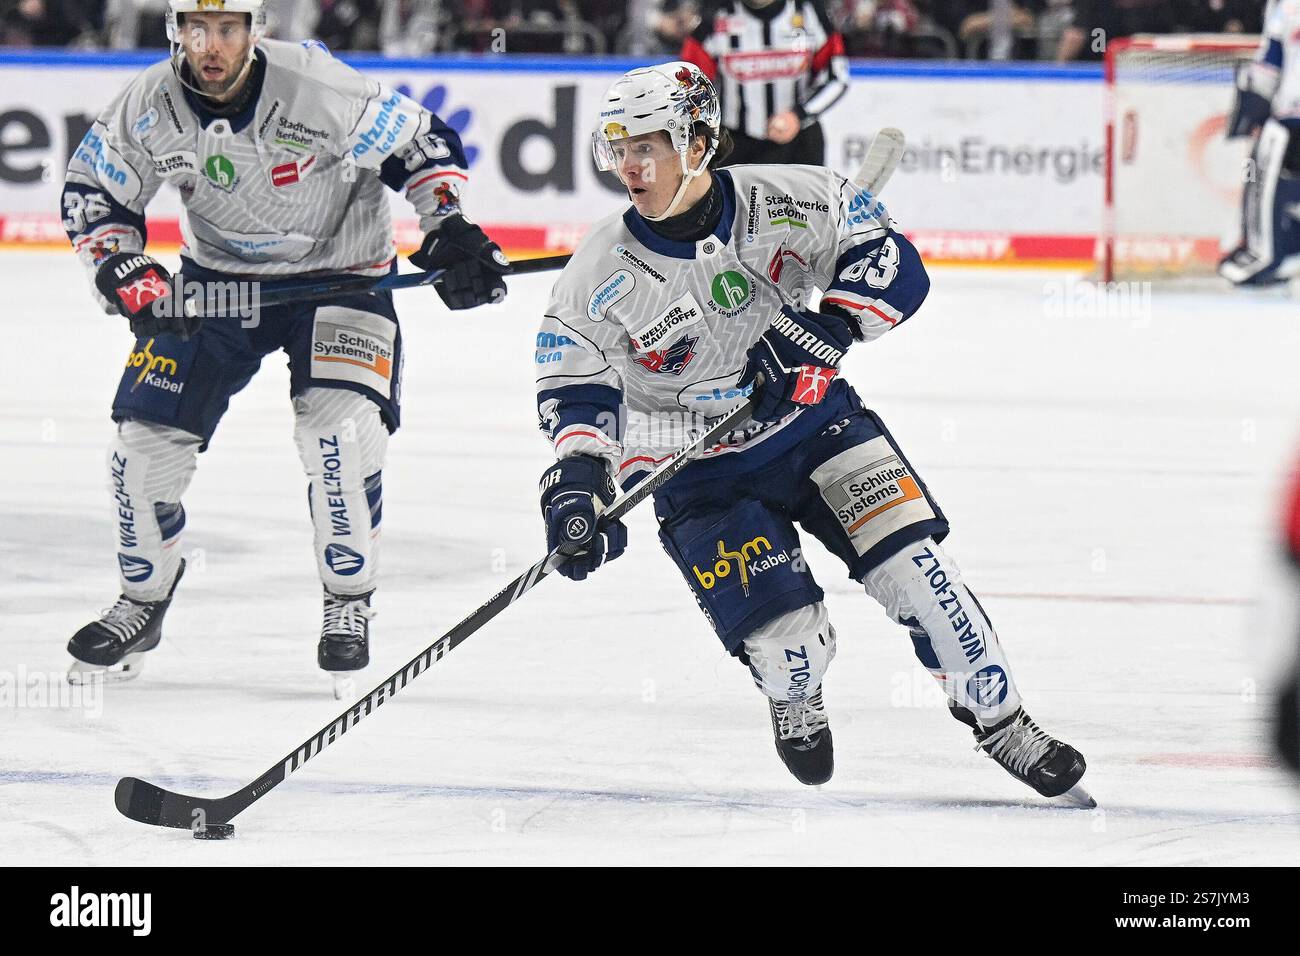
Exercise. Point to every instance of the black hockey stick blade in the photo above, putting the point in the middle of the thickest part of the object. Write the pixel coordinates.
(149, 803)
(276, 293)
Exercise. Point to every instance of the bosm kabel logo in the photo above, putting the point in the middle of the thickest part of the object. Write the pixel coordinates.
(459, 120)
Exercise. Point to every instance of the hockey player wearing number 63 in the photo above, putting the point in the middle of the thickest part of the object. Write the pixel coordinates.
(280, 154)
(681, 305)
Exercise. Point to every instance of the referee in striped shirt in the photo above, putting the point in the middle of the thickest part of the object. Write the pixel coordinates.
(778, 65)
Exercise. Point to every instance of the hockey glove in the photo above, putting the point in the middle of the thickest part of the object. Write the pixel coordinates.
(473, 264)
(575, 491)
(797, 357)
(141, 289)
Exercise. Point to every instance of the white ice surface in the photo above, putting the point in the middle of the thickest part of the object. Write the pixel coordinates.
(1110, 480)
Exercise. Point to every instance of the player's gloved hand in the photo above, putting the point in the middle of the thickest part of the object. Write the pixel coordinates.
(473, 263)
(141, 289)
(797, 357)
(575, 491)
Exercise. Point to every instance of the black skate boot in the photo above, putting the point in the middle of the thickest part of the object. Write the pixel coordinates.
(1031, 756)
(345, 639)
(803, 738)
(112, 648)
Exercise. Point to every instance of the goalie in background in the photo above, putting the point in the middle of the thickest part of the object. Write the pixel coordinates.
(1268, 103)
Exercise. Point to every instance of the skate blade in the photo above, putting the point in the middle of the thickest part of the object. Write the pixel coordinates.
(345, 688)
(128, 668)
(1077, 796)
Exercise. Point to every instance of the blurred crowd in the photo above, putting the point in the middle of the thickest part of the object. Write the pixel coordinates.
(956, 29)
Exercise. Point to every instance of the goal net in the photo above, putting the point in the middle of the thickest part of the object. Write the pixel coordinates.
(1173, 182)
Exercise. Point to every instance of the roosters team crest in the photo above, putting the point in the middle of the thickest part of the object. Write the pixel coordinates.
(448, 198)
(672, 360)
(698, 90)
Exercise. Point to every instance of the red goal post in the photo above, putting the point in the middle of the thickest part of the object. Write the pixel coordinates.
(1173, 182)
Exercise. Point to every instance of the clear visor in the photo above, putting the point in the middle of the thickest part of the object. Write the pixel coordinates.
(603, 152)
(610, 147)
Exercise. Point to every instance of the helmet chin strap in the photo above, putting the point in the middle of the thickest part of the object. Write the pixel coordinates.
(688, 176)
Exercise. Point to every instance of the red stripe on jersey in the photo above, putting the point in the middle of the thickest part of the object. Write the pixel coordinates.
(692, 52)
(567, 435)
(653, 461)
(887, 318)
(446, 172)
(831, 48)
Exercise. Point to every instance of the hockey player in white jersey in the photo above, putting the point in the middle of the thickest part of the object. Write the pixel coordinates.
(703, 292)
(281, 155)
(1268, 105)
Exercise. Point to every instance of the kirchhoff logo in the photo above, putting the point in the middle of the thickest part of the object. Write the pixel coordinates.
(74, 908)
(627, 255)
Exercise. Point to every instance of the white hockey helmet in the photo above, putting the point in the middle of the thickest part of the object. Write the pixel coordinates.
(256, 10)
(672, 97)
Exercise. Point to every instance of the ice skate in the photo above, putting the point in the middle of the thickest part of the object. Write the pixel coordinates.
(1031, 756)
(803, 738)
(345, 640)
(113, 648)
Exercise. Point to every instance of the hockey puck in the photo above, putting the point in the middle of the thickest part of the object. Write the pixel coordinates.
(215, 831)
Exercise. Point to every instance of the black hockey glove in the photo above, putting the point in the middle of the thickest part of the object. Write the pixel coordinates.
(473, 263)
(574, 493)
(797, 356)
(141, 289)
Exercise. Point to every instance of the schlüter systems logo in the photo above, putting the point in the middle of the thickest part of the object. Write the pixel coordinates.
(77, 909)
(362, 351)
(874, 489)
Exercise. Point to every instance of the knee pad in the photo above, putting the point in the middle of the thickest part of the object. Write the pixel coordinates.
(743, 563)
(1270, 245)
(149, 468)
(788, 655)
(342, 442)
(921, 588)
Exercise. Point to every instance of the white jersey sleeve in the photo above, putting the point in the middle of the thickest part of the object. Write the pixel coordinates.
(579, 388)
(111, 178)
